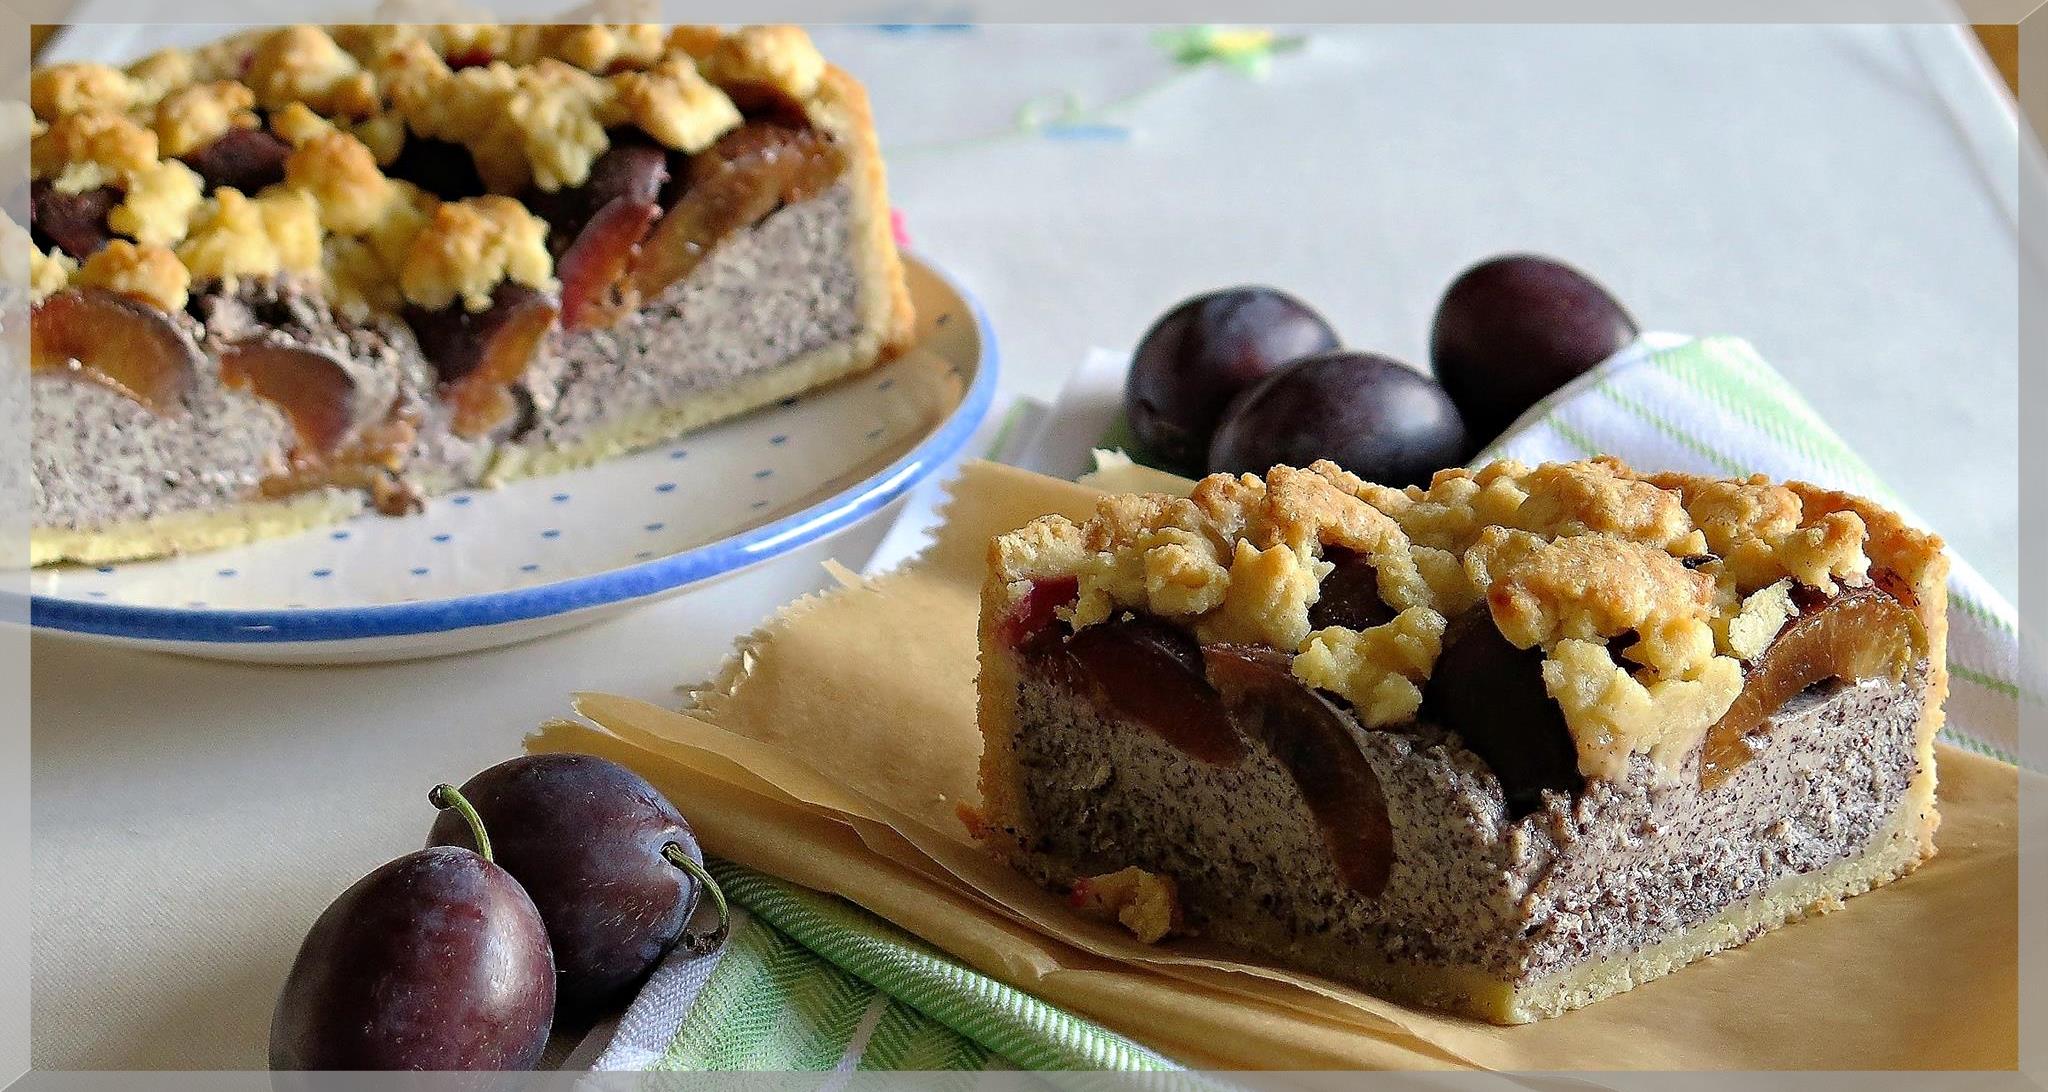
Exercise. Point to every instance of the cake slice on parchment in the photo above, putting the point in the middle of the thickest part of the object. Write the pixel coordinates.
(1504, 746)
(302, 271)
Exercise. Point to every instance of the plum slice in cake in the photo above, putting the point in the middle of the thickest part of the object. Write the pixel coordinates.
(1505, 746)
(303, 271)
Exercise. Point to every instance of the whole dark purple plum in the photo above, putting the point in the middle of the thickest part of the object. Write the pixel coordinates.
(1202, 354)
(1370, 414)
(589, 840)
(1512, 329)
(436, 961)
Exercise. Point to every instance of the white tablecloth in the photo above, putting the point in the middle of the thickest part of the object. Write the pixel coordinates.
(1839, 195)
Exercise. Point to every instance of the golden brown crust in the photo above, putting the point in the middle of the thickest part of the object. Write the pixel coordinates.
(841, 108)
(1565, 557)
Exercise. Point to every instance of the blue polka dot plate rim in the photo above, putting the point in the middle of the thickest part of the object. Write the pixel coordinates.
(488, 567)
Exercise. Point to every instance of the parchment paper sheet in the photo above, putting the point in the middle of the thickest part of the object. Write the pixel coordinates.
(839, 744)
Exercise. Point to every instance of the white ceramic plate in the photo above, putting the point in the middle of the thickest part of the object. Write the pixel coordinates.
(489, 567)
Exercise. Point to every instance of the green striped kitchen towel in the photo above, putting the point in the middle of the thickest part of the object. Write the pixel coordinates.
(811, 982)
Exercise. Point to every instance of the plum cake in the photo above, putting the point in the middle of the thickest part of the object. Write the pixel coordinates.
(1504, 745)
(305, 271)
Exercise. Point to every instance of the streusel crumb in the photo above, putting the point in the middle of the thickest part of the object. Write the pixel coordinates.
(61, 89)
(196, 115)
(161, 201)
(341, 176)
(1612, 714)
(1591, 587)
(1146, 903)
(1760, 533)
(1745, 634)
(603, 48)
(781, 57)
(236, 236)
(470, 247)
(1378, 669)
(303, 64)
(675, 105)
(91, 148)
(543, 124)
(149, 273)
(694, 40)
(48, 272)
(162, 72)
(383, 134)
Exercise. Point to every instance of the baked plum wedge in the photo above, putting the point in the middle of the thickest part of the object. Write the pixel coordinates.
(1350, 594)
(732, 185)
(1862, 633)
(75, 223)
(1152, 672)
(241, 159)
(317, 394)
(1312, 739)
(1492, 694)
(631, 170)
(122, 343)
(480, 355)
(593, 269)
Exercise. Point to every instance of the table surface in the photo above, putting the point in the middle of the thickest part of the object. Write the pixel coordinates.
(1839, 195)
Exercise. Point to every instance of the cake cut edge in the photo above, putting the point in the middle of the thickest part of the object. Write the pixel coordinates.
(885, 326)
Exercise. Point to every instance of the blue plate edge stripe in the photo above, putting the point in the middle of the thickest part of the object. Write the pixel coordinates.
(834, 513)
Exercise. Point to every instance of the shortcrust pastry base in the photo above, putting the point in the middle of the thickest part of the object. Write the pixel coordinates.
(807, 372)
(193, 531)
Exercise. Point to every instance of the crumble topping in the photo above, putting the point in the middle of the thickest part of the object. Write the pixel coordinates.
(149, 273)
(235, 236)
(532, 104)
(163, 72)
(91, 148)
(600, 47)
(195, 116)
(781, 57)
(694, 40)
(1645, 593)
(1757, 530)
(48, 271)
(1386, 664)
(1612, 713)
(1762, 614)
(472, 245)
(1146, 903)
(676, 105)
(1267, 597)
(303, 64)
(161, 200)
(338, 172)
(542, 124)
(61, 89)
(1592, 587)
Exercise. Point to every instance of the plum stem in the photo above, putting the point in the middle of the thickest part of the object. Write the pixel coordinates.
(445, 796)
(701, 943)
